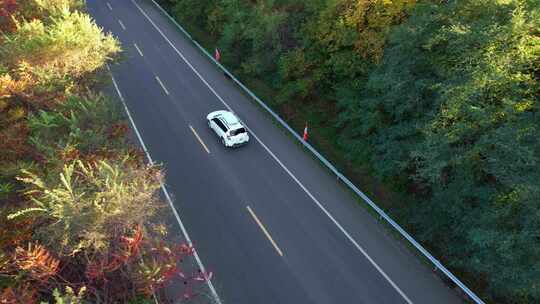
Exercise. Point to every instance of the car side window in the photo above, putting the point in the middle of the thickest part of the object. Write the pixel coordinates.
(220, 124)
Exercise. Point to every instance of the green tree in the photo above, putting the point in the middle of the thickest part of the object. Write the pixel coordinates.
(89, 203)
(451, 114)
(439, 98)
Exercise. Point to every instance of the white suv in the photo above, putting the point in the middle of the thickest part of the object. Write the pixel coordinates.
(228, 128)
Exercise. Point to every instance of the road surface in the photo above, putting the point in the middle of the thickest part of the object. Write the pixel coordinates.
(270, 222)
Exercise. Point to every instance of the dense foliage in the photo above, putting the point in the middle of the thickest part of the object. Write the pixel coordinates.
(440, 98)
(78, 204)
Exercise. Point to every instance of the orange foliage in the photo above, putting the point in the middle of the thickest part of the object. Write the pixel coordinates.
(37, 262)
(24, 294)
(118, 130)
(13, 233)
(14, 141)
(162, 264)
(69, 155)
(128, 248)
(8, 8)
(24, 86)
(37, 265)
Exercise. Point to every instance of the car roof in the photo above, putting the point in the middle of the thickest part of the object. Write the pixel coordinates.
(229, 119)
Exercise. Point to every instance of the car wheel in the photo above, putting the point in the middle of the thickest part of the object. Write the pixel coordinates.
(223, 141)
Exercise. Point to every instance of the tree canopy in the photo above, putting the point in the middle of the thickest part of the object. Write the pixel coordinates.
(439, 98)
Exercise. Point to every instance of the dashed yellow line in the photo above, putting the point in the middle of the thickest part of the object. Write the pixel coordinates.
(138, 50)
(264, 231)
(162, 85)
(200, 140)
(122, 24)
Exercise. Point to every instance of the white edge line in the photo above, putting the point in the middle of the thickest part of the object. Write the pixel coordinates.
(109, 5)
(138, 50)
(351, 239)
(130, 118)
(162, 85)
(266, 233)
(200, 140)
(331, 217)
(390, 221)
(166, 193)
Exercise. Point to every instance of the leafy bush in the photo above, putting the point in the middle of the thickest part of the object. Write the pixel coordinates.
(75, 197)
(50, 57)
(81, 126)
(87, 203)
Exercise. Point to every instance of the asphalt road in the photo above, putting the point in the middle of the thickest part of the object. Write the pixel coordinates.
(254, 213)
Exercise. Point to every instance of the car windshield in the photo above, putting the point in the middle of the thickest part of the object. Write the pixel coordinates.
(238, 131)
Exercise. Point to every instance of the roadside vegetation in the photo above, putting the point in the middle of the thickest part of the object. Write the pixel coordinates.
(79, 208)
(436, 101)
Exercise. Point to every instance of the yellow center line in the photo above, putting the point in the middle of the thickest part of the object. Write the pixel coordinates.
(200, 140)
(265, 231)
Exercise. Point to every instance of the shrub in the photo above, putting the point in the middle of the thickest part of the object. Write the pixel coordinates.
(88, 203)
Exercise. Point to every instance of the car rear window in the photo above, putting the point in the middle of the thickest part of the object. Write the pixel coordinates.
(238, 131)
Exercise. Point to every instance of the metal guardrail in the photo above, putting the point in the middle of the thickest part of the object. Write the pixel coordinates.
(332, 168)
